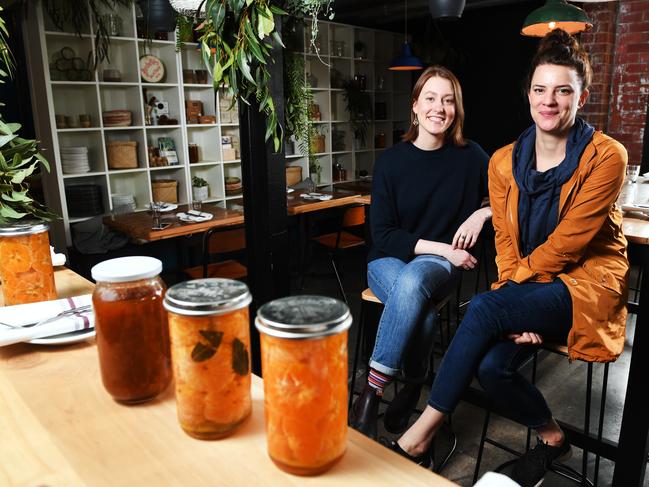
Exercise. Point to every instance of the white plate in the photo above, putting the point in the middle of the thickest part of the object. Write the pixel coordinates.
(65, 338)
(166, 207)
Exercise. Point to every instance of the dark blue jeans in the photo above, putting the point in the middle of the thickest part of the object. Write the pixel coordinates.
(480, 348)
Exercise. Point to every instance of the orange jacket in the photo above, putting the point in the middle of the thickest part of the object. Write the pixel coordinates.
(587, 249)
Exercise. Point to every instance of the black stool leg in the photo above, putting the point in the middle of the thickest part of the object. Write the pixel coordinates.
(602, 407)
(589, 391)
(357, 348)
(340, 284)
(485, 427)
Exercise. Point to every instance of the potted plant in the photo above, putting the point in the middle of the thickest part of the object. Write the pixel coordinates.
(359, 105)
(26, 267)
(200, 189)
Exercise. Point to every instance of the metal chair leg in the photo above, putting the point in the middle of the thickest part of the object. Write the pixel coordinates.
(483, 436)
(340, 284)
(357, 348)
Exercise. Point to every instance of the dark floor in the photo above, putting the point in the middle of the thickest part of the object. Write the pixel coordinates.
(562, 383)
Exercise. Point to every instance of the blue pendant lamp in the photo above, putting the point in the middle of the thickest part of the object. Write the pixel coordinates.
(406, 61)
(556, 14)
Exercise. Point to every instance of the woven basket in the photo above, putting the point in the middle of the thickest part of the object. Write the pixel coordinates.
(165, 190)
(122, 154)
(318, 144)
(293, 175)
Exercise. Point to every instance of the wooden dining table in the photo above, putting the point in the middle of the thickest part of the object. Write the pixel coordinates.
(59, 427)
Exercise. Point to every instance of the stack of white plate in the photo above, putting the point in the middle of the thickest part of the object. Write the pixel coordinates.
(74, 160)
(123, 203)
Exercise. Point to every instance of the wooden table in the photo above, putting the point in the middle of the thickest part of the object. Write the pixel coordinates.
(297, 205)
(138, 225)
(59, 427)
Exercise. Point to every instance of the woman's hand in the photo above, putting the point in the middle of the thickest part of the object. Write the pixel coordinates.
(461, 258)
(468, 233)
(526, 338)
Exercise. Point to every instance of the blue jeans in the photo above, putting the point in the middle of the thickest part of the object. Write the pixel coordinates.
(404, 339)
(479, 348)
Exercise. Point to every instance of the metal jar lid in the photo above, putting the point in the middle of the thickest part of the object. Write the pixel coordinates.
(23, 227)
(207, 297)
(300, 317)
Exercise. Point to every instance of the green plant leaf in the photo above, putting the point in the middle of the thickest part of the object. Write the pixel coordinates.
(5, 139)
(8, 212)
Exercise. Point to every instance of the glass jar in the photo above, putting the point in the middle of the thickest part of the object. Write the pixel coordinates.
(131, 326)
(304, 364)
(210, 348)
(26, 265)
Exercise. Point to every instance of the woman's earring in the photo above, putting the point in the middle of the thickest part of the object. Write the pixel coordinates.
(415, 121)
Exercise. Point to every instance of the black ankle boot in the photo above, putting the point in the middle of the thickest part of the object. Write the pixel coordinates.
(365, 411)
(398, 413)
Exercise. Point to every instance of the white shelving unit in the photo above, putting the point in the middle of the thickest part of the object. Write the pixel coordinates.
(53, 96)
(340, 59)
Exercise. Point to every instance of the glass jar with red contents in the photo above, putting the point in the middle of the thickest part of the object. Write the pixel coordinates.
(304, 365)
(26, 264)
(131, 326)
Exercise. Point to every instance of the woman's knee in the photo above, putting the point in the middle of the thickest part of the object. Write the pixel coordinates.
(492, 371)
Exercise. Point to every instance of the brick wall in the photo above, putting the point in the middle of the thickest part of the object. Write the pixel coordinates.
(619, 48)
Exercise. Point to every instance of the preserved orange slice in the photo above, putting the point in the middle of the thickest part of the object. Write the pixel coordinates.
(305, 401)
(26, 266)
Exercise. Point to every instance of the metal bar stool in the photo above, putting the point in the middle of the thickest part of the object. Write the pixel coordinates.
(368, 298)
(560, 469)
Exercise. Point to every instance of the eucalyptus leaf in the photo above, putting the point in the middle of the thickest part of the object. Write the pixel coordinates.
(240, 360)
(213, 337)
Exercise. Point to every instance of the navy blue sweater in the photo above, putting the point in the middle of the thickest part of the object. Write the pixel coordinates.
(419, 194)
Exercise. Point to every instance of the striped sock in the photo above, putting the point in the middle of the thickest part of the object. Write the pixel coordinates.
(378, 381)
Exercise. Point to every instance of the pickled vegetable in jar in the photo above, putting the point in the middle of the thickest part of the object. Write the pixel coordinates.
(304, 365)
(131, 326)
(210, 349)
(26, 269)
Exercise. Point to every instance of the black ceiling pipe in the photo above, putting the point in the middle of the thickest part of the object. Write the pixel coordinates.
(159, 15)
(446, 9)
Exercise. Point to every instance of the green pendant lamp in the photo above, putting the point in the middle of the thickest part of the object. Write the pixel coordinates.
(556, 14)
(406, 61)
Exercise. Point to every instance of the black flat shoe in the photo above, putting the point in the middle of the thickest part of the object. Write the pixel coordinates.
(365, 411)
(400, 409)
(424, 460)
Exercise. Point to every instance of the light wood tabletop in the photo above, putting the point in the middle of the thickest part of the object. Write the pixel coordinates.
(61, 428)
(139, 225)
(636, 228)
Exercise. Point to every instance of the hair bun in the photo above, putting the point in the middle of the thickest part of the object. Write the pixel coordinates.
(558, 39)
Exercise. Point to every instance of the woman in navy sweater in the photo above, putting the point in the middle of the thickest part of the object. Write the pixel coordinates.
(425, 215)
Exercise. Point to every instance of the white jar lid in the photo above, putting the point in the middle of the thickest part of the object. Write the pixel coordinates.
(124, 269)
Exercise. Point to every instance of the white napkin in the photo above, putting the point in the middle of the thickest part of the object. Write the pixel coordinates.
(195, 217)
(24, 314)
(316, 196)
(493, 479)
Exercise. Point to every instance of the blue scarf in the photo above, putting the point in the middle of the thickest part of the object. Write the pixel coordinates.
(539, 192)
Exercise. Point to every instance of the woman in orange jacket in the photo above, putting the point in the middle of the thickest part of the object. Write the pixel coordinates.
(561, 259)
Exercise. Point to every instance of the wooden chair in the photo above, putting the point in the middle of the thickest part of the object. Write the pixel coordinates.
(580, 478)
(218, 242)
(352, 217)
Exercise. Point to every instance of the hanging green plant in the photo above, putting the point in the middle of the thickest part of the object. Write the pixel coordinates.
(359, 105)
(236, 47)
(309, 10)
(19, 158)
(76, 13)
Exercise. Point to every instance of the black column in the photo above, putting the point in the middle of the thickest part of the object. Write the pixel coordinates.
(264, 200)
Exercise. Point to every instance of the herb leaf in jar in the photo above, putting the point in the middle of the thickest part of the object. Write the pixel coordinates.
(201, 352)
(239, 357)
(214, 337)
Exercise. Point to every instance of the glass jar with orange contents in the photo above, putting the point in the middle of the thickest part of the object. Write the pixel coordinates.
(26, 264)
(304, 364)
(131, 326)
(210, 350)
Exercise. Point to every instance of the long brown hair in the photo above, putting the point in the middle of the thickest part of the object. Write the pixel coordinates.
(454, 133)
